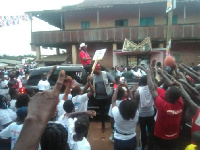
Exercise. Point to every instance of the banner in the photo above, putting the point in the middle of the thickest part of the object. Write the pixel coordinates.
(145, 45)
(169, 6)
(13, 20)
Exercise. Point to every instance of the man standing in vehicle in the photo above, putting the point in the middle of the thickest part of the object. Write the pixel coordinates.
(84, 57)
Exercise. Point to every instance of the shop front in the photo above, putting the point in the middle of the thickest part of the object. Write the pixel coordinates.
(134, 58)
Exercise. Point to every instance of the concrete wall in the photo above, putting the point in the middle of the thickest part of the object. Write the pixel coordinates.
(92, 47)
(107, 16)
(186, 52)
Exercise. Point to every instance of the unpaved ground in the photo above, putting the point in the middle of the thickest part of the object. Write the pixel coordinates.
(99, 140)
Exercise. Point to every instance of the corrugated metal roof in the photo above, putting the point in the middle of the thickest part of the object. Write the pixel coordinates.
(109, 3)
(7, 61)
(55, 58)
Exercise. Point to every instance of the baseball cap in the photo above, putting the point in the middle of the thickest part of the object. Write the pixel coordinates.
(82, 45)
(97, 66)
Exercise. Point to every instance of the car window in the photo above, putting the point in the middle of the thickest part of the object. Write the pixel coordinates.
(77, 75)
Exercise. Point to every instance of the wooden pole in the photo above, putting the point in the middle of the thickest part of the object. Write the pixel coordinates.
(169, 29)
(93, 67)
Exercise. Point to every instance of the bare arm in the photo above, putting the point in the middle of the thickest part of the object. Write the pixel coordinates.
(193, 90)
(167, 81)
(90, 113)
(192, 75)
(86, 58)
(67, 89)
(89, 84)
(151, 85)
(193, 107)
(134, 88)
(191, 70)
(114, 97)
(51, 71)
(41, 108)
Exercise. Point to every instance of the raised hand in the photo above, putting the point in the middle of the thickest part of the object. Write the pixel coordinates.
(42, 105)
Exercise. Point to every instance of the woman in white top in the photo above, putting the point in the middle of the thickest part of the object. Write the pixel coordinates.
(126, 118)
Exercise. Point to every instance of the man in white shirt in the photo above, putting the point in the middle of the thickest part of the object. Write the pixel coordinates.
(81, 100)
(44, 83)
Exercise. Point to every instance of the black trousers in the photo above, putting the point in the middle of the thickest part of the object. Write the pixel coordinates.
(147, 123)
(162, 144)
(103, 103)
(88, 68)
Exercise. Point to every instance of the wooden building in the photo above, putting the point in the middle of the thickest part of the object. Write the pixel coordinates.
(106, 23)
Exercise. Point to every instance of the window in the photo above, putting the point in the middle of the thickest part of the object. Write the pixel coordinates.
(174, 19)
(147, 21)
(121, 23)
(85, 25)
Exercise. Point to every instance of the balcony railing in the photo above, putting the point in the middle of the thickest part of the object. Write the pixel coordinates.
(116, 34)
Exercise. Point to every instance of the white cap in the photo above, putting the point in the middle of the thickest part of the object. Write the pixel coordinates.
(82, 45)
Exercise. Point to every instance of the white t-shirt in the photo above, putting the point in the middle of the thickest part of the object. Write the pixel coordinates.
(63, 119)
(6, 116)
(43, 85)
(61, 96)
(110, 110)
(60, 108)
(3, 84)
(80, 145)
(124, 126)
(12, 105)
(12, 131)
(80, 102)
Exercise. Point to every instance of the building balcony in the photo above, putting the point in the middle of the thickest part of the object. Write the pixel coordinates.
(115, 34)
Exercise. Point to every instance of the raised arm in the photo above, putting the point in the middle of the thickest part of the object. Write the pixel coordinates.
(167, 81)
(192, 75)
(189, 102)
(134, 88)
(89, 85)
(151, 84)
(129, 93)
(41, 108)
(114, 97)
(193, 90)
(51, 71)
(191, 70)
(68, 87)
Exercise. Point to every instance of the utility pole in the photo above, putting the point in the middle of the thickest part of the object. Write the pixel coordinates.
(171, 5)
(169, 30)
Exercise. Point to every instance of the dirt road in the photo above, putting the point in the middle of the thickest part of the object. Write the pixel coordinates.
(99, 140)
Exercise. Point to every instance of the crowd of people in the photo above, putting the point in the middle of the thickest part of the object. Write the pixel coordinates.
(165, 102)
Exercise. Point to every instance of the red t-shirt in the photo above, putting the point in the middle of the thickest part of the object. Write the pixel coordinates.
(161, 92)
(196, 122)
(82, 55)
(168, 118)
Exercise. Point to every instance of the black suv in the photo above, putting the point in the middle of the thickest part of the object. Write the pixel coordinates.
(76, 72)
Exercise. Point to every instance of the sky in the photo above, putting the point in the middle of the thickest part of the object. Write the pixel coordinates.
(15, 40)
